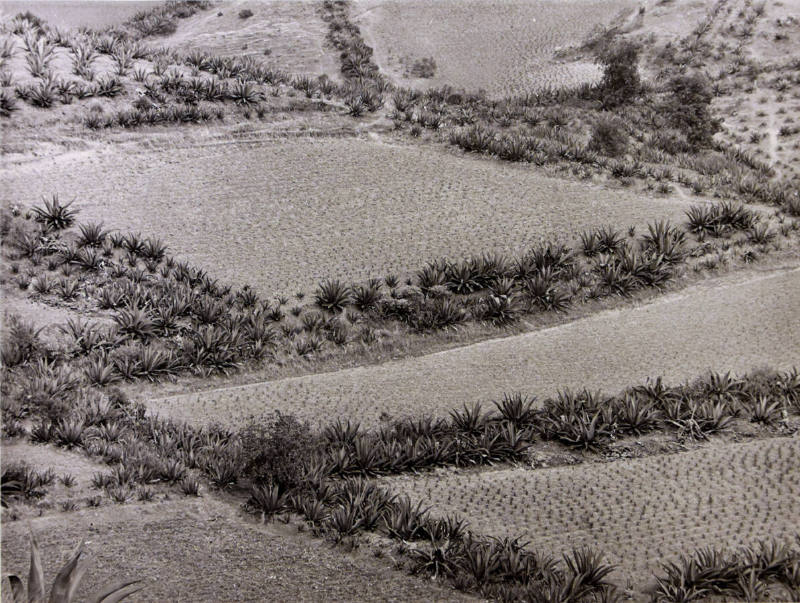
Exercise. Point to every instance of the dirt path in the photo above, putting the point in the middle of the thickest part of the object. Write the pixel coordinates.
(725, 324)
(772, 138)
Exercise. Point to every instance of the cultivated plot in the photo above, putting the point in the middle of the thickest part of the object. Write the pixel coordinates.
(503, 47)
(639, 512)
(283, 215)
(288, 35)
(201, 550)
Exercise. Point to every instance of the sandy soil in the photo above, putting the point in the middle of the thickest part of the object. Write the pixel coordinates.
(503, 47)
(204, 550)
(721, 325)
(639, 512)
(282, 215)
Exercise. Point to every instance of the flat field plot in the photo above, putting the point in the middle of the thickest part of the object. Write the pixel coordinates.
(283, 215)
(731, 326)
(639, 512)
(505, 47)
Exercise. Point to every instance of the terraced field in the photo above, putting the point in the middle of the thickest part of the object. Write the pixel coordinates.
(288, 35)
(502, 47)
(77, 13)
(203, 550)
(282, 215)
(728, 324)
(639, 511)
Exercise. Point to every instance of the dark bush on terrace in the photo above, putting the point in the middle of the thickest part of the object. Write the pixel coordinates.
(274, 449)
(621, 82)
(688, 109)
(609, 137)
(423, 68)
(245, 13)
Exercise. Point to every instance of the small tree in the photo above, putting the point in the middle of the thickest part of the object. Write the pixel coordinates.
(688, 108)
(621, 82)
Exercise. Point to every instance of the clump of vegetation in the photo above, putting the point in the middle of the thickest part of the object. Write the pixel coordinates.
(424, 68)
(609, 137)
(621, 82)
(687, 108)
(245, 13)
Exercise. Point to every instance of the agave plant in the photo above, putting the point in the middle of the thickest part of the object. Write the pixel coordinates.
(517, 409)
(332, 296)
(66, 583)
(91, 235)
(54, 215)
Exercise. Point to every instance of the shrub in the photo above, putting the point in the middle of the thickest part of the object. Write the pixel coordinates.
(273, 451)
(609, 137)
(245, 13)
(688, 109)
(621, 82)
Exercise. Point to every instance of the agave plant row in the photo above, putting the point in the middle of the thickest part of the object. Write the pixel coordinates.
(585, 420)
(497, 568)
(169, 317)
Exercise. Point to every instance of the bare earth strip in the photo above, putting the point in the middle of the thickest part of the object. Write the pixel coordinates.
(282, 215)
(724, 324)
(639, 512)
(202, 550)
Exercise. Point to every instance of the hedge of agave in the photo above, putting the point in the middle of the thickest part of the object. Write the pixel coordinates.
(584, 420)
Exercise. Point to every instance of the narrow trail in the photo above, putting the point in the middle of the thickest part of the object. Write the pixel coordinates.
(772, 140)
(725, 324)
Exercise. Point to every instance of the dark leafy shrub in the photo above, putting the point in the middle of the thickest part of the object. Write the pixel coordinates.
(273, 449)
(609, 137)
(687, 108)
(621, 82)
